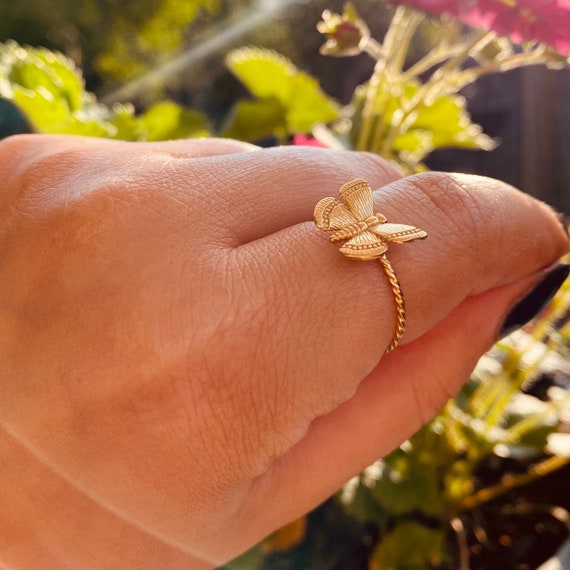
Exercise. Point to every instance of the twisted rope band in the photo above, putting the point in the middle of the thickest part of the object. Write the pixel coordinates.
(400, 305)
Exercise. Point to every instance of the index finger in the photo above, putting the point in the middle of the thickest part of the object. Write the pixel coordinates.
(327, 320)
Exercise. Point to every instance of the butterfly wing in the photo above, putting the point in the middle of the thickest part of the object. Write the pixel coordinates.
(365, 245)
(398, 233)
(357, 195)
(330, 214)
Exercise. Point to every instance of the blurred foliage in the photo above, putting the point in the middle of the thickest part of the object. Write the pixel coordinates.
(116, 39)
(410, 107)
(49, 90)
(287, 100)
(442, 123)
(140, 39)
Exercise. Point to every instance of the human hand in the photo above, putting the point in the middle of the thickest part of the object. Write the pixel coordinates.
(188, 363)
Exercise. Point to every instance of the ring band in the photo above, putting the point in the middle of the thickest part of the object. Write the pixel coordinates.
(368, 234)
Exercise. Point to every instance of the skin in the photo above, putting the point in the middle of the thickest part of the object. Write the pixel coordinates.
(188, 363)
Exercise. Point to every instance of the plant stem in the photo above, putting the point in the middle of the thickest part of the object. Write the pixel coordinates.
(510, 482)
(430, 60)
(512, 62)
(459, 529)
(438, 84)
(440, 81)
(373, 48)
(393, 72)
(375, 84)
(410, 23)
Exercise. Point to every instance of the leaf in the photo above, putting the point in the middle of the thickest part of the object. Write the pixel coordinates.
(126, 126)
(409, 546)
(268, 75)
(142, 35)
(169, 121)
(443, 123)
(412, 130)
(450, 125)
(42, 70)
(286, 537)
(255, 120)
(359, 502)
(410, 482)
(249, 560)
(49, 90)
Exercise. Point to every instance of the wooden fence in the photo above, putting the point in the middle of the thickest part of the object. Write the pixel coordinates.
(528, 110)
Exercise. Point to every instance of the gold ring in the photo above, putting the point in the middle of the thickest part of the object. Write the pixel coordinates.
(368, 234)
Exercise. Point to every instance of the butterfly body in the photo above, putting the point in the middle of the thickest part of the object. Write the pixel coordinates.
(353, 219)
(356, 228)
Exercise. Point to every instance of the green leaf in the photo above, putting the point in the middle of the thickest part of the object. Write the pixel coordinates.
(443, 123)
(255, 120)
(414, 146)
(250, 560)
(359, 502)
(411, 481)
(528, 422)
(450, 125)
(38, 69)
(126, 126)
(141, 35)
(51, 115)
(411, 135)
(409, 546)
(269, 75)
(49, 90)
(169, 121)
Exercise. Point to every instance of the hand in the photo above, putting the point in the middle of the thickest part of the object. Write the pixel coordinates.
(188, 363)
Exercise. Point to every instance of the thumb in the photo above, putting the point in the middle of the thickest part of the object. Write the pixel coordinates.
(403, 392)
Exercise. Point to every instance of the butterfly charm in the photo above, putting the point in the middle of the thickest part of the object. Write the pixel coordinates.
(354, 220)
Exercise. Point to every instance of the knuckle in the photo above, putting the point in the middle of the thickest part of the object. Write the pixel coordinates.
(14, 145)
(45, 180)
(14, 153)
(452, 197)
(48, 167)
(25, 149)
(380, 167)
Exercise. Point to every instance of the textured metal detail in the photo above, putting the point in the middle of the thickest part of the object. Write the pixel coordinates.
(400, 305)
(368, 234)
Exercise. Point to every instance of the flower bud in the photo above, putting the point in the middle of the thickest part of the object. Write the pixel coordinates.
(346, 34)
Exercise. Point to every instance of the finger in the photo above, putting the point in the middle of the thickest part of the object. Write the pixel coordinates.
(47, 159)
(260, 193)
(406, 390)
(198, 148)
(30, 147)
(241, 194)
(481, 234)
(321, 322)
(18, 152)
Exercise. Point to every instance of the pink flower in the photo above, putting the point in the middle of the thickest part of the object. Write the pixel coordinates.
(304, 140)
(545, 21)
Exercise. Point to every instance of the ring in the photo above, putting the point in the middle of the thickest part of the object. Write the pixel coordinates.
(368, 234)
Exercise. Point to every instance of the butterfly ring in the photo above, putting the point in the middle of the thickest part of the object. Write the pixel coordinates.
(368, 234)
